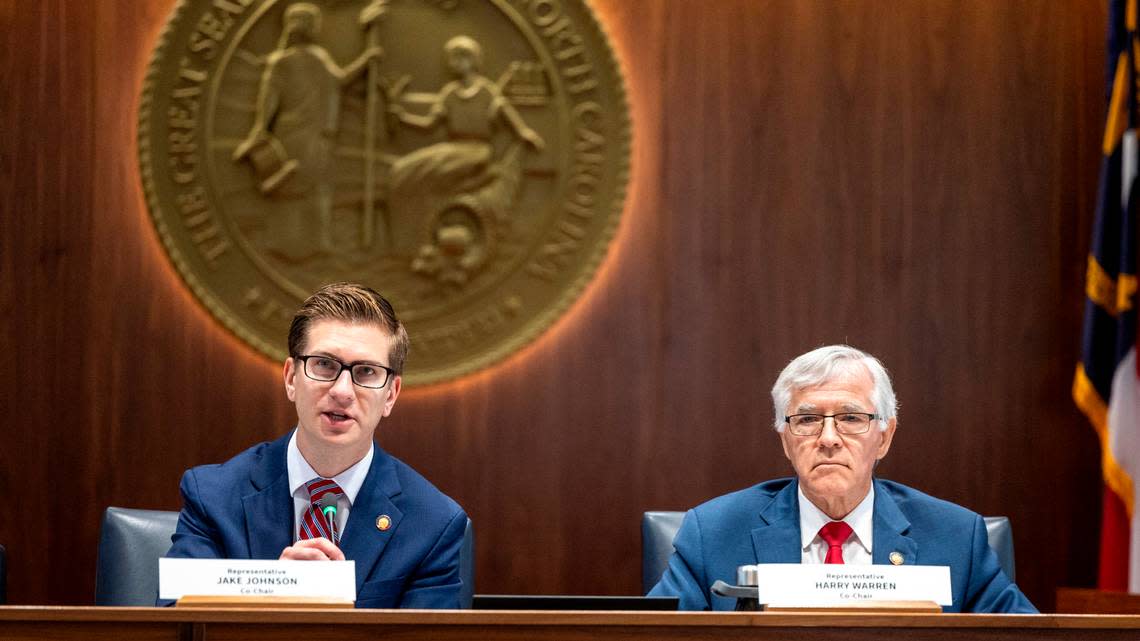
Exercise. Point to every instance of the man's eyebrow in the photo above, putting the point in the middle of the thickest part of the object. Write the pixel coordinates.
(372, 363)
(327, 354)
(811, 408)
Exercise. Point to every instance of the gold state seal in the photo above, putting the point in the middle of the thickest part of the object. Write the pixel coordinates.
(467, 158)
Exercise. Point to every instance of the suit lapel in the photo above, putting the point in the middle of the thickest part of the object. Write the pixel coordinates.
(269, 510)
(363, 539)
(890, 531)
(777, 540)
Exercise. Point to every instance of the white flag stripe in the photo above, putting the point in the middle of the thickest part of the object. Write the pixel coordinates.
(1124, 443)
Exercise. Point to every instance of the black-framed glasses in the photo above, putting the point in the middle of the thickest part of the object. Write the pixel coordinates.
(327, 369)
(848, 423)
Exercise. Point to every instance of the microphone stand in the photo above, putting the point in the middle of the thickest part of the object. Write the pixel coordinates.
(747, 593)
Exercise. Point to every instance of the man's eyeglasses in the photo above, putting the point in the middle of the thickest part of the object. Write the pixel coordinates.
(327, 369)
(848, 423)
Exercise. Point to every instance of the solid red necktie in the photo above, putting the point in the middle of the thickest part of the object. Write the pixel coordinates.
(835, 534)
(320, 519)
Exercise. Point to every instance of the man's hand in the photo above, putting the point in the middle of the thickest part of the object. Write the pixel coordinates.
(319, 549)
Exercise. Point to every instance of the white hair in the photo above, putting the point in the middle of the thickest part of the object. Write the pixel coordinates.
(825, 364)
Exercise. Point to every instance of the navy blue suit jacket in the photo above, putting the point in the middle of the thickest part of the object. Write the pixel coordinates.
(761, 524)
(242, 509)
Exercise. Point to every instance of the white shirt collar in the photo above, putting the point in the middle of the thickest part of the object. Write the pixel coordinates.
(300, 472)
(861, 520)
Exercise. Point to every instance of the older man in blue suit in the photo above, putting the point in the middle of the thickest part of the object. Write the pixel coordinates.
(835, 415)
(292, 498)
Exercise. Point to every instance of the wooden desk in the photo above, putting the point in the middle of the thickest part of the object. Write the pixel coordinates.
(1086, 601)
(171, 624)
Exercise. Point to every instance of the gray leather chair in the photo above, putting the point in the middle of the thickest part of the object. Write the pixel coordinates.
(130, 544)
(1000, 533)
(659, 528)
(467, 567)
(132, 541)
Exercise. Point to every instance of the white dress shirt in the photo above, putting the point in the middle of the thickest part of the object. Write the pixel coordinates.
(857, 549)
(300, 473)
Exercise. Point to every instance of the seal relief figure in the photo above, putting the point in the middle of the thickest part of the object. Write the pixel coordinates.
(467, 157)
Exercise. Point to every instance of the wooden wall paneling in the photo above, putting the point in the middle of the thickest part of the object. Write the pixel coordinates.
(47, 68)
(917, 179)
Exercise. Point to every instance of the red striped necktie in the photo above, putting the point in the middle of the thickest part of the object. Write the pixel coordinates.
(835, 534)
(320, 518)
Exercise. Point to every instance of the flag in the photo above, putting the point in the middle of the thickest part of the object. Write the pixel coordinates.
(1107, 382)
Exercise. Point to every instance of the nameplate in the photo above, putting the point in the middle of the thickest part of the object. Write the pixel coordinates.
(808, 585)
(334, 580)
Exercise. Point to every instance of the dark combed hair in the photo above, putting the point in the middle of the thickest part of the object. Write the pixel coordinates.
(350, 303)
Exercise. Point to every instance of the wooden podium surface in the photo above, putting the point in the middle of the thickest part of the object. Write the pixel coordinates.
(1087, 601)
(203, 624)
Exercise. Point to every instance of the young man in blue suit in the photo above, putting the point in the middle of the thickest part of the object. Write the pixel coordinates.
(346, 354)
(836, 416)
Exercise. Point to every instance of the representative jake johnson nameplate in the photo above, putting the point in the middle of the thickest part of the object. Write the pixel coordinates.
(799, 585)
(178, 578)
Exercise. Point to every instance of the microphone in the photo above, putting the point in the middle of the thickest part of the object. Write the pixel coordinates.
(328, 510)
(747, 593)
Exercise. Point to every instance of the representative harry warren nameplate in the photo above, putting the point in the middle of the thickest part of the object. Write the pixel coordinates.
(811, 585)
(467, 158)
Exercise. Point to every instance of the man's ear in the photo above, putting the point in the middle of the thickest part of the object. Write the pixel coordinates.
(289, 373)
(393, 391)
(888, 436)
(784, 443)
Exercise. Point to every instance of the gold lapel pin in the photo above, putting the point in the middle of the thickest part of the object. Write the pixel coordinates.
(896, 558)
(383, 522)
